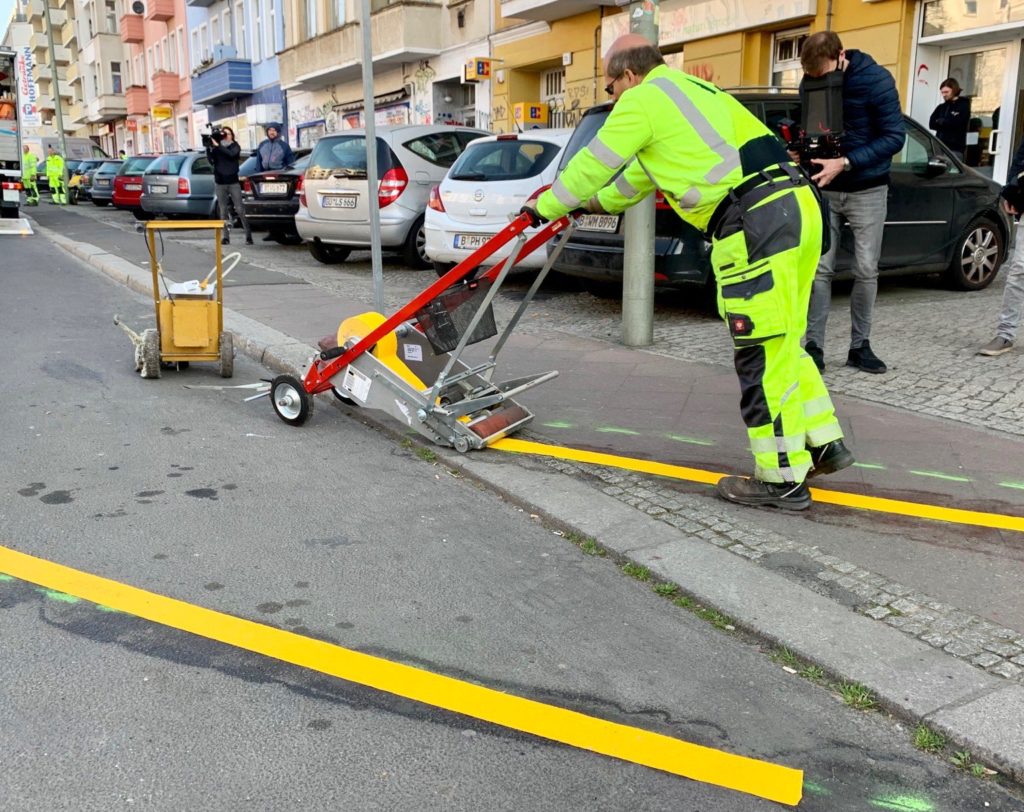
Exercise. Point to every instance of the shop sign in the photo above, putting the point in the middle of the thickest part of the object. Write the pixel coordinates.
(161, 112)
(478, 69)
(132, 125)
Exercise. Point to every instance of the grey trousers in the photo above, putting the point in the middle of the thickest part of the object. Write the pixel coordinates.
(865, 212)
(1013, 293)
(223, 190)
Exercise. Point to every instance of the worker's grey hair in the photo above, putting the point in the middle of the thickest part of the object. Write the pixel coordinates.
(641, 60)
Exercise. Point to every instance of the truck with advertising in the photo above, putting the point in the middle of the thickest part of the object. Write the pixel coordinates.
(10, 136)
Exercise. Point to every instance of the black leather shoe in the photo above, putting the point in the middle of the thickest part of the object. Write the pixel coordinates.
(817, 355)
(829, 458)
(225, 240)
(754, 492)
(248, 239)
(863, 358)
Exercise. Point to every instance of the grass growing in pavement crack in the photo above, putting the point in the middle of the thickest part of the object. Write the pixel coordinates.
(928, 740)
(856, 696)
(425, 454)
(586, 544)
(812, 673)
(666, 590)
(712, 616)
(784, 656)
(636, 571)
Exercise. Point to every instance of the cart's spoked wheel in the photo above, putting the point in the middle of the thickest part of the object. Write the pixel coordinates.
(292, 402)
(227, 355)
(150, 367)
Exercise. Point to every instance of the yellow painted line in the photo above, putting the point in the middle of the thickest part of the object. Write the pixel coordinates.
(876, 504)
(761, 778)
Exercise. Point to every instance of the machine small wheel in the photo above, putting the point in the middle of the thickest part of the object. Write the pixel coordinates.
(343, 398)
(227, 355)
(291, 401)
(150, 354)
(461, 444)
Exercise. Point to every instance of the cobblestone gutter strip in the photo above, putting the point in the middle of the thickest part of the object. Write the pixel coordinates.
(637, 518)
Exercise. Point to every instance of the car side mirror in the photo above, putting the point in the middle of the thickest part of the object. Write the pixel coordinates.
(936, 166)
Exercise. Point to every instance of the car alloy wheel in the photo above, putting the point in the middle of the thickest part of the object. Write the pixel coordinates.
(976, 260)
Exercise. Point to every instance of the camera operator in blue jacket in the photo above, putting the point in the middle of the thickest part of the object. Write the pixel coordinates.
(856, 186)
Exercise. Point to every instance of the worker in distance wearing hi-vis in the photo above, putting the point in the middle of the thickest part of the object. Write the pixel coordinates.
(55, 176)
(29, 167)
(726, 174)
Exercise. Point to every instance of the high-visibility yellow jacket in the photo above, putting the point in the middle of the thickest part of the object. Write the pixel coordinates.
(29, 165)
(55, 166)
(690, 139)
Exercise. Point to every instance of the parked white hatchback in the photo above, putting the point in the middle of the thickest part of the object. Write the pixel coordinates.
(489, 182)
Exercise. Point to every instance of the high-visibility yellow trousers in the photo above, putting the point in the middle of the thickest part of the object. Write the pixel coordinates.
(764, 264)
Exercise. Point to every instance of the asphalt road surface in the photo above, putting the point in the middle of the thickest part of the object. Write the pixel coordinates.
(339, 533)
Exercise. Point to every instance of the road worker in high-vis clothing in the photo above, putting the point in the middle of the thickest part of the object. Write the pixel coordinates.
(29, 167)
(55, 176)
(725, 173)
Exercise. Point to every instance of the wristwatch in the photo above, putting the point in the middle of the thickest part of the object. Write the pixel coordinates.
(846, 164)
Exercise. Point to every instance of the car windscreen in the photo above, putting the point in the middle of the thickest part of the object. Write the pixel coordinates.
(135, 166)
(167, 165)
(504, 160)
(109, 168)
(345, 156)
(583, 134)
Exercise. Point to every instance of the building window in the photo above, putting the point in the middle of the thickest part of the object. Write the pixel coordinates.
(215, 31)
(270, 50)
(257, 34)
(227, 27)
(337, 9)
(240, 19)
(786, 70)
(311, 18)
(149, 64)
(196, 51)
(111, 16)
(172, 49)
(115, 79)
(182, 67)
(553, 84)
(158, 60)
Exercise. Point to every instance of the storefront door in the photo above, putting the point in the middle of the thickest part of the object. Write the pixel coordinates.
(988, 76)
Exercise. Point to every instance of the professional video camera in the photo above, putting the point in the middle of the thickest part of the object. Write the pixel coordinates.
(820, 133)
(215, 136)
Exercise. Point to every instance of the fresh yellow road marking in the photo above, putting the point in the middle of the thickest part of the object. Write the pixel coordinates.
(761, 778)
(877, 504)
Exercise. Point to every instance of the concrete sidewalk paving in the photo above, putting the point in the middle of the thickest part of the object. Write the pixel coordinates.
(980, 710)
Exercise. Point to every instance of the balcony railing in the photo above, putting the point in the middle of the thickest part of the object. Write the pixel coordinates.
(73, 74)
(549, 10)
(105, 108)
(67, 33)
(136, 100)
(166, 88)
(133, 28)
(227, 79)
(160, 10)
(403, 30)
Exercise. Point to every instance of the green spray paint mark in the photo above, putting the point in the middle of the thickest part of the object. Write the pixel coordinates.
(616, 430)
(679, 438)
(816, 789)
(63, 597)
(870, 465)
(1018, 485)
(5, 577)
(103, 608)
(558, 424)
(902, 803)
(940, 475)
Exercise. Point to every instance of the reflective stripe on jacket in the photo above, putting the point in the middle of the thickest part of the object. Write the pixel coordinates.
(690, 139)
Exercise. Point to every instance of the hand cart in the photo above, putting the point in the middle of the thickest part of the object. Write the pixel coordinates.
(189, 315)
(383, 363)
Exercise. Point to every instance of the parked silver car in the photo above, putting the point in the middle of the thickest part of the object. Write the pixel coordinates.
(334, 209)
(179, 184)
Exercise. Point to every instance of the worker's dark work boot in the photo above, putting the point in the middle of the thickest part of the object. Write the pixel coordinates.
(754, 492)
(829, 458)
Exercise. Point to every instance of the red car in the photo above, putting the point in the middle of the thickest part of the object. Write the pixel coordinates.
(128, 184)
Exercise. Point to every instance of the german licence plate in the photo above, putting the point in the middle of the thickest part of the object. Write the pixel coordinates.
(598, 222)
(278, 189)
(103, 183)
(158, 189)
(470, 242)
(133, 187)
(339, 201)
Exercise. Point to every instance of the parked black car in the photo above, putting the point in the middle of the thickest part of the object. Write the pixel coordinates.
(271, 198)
(943, 217)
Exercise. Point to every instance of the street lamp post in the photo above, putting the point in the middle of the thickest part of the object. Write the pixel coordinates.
(370, 131)
(56, 98)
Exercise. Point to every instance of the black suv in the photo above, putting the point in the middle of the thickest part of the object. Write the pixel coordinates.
(943, 216)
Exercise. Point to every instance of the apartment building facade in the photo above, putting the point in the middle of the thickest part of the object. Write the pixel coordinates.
(420, 48)
(99, 72)
(64, 55)
(156, 76)
(234, 66)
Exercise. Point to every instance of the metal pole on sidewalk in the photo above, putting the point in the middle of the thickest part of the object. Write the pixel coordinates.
(370, 128)
(56, 98)
(638, 252)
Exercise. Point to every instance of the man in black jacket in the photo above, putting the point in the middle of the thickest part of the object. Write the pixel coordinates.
(1013, 294)
(224, 155)
(856, 186)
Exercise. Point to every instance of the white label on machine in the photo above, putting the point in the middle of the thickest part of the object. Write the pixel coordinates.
(357, 383)
(412, 352)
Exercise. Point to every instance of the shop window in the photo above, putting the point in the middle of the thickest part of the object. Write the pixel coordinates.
(786, 70)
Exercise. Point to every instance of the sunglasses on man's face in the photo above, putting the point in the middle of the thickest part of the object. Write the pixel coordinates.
(610, 87)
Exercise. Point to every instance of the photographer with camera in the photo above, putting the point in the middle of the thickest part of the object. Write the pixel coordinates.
(1012, 199)
(856, 186)
(224, 154)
